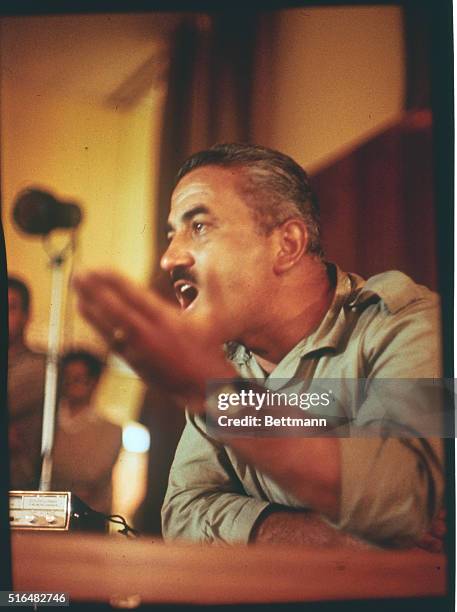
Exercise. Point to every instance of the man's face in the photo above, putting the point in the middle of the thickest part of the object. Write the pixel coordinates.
(17, 316)
(77, 383)
(219, 262)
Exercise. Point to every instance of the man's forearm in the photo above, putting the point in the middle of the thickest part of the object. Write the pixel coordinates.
(308, 468)
(301, 527)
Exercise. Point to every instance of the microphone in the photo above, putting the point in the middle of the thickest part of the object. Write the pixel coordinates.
(38, 212)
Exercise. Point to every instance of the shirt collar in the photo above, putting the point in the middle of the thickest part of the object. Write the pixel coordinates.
(329, 332)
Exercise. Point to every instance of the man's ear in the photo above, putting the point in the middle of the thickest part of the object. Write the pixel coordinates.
(293, 241)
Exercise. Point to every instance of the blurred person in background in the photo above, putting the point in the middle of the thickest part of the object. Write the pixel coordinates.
(86, 445)
(26, 375)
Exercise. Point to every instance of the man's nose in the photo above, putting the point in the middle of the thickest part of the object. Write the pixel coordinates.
(176, 255)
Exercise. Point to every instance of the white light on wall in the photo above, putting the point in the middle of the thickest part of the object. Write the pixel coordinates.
(135, 438)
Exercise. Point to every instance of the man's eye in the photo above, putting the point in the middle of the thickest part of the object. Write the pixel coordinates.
(198, 227)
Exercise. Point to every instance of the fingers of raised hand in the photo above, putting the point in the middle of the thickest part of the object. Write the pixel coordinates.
(114, 306)
(134, 322)
(139, 299)
(148, 333)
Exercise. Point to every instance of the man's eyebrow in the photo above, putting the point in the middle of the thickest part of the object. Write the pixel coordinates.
(193, 212)
(189, 214)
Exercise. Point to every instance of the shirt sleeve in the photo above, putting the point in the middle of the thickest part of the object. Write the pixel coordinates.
(392, 487)
(205, 500)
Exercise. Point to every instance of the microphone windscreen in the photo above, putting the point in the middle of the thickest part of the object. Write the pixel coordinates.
(38, 212)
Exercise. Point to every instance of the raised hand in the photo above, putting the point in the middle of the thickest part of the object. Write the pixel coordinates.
(153, 336)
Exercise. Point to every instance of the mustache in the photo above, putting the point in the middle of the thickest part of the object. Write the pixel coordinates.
(182, 273)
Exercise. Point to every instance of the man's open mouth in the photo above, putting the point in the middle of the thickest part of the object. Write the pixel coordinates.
(186, 293)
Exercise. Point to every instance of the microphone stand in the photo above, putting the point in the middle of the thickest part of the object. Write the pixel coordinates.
(65, 510)
(56, 262)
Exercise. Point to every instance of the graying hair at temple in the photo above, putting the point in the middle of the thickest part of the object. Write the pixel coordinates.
(275, 187)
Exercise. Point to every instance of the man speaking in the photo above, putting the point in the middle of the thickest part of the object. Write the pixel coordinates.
(258, 300)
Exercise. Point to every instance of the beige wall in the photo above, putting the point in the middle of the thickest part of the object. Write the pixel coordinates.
(337, 76)
(94, 156)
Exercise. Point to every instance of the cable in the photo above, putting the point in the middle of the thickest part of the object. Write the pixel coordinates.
(127, 529)
(84, 510)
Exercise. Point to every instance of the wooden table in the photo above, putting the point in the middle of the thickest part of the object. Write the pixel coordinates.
(105, 568)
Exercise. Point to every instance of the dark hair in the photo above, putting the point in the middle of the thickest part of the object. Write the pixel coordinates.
(24, 292)
(275, 187)
(94, 364)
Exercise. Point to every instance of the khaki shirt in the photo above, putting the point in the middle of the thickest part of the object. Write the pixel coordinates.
(86, 448)
(385, 327)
